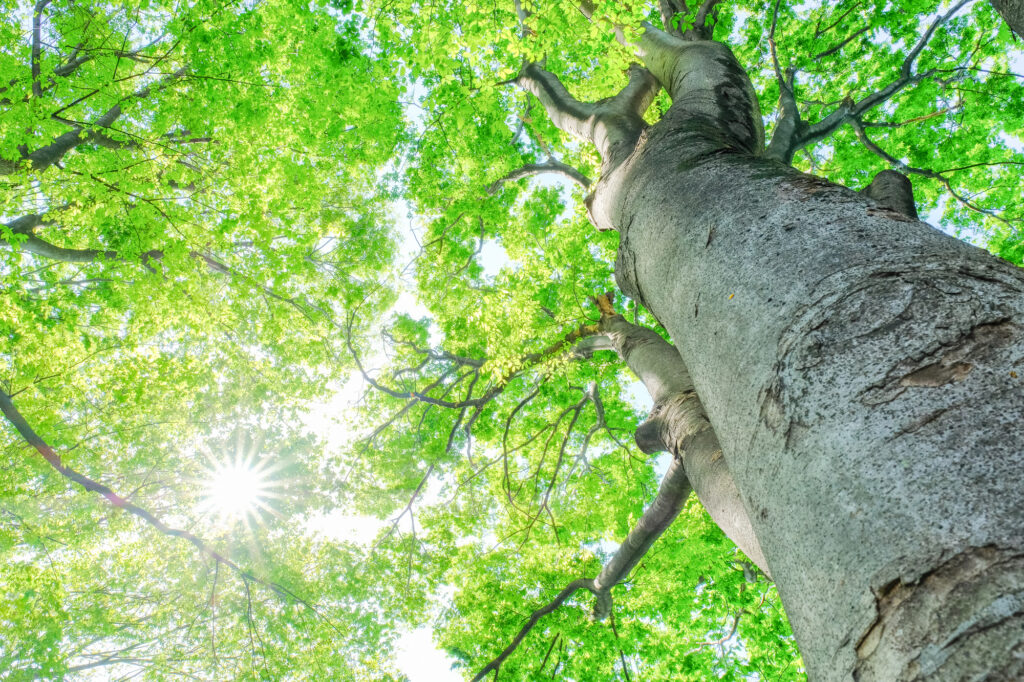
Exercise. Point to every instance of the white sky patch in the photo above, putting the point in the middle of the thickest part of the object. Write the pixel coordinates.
(328, 417)
(636, 394)
(493, 258)
(338, 526)
(418, 657)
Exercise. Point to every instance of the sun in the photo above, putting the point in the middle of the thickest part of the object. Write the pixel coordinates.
(239, 489)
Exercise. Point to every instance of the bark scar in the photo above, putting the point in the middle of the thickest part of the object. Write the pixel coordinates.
(934, 626)
(945, 365)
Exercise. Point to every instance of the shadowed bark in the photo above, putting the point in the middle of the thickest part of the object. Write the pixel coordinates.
(1012, 12)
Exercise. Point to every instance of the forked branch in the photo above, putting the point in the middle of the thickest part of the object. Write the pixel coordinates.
(796, 134)
(613, 125)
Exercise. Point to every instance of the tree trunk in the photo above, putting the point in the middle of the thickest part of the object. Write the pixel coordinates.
(861, 370)
(1012, 12)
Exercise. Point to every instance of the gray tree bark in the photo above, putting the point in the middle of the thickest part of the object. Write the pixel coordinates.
(861, 371)
(1012, 12)
(678, 425)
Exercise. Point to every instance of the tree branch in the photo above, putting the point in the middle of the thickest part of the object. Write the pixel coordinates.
(701, 19)
(15, 418)
(835, 48)
(612, 125)
(787, 122)
(566, 112)
(657, 517)
(850, 110)
(44, 157)
(672, 494)
(37, 20)
(552, 165)
(924, 172)
(568, 591)
(669, 10)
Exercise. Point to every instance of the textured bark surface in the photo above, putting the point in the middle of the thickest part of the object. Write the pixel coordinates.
(861, 370)
(1012, 12)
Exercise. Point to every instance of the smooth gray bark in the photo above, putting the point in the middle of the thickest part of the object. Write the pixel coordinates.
(861, 371)
(678, 425)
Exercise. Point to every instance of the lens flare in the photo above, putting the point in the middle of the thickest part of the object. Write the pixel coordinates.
(238, 490)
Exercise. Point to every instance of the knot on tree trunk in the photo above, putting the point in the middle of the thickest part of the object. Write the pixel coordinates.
(893, 190)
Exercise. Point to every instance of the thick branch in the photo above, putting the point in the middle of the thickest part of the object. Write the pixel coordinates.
(37, 21)
(892, 190)
(678, 424)
(710, 91)
(669, 10)
(44, 157)
(552, 165)
(612, 125)
(672, 494)
(695, 452)
(570, 589)
(787, 122)
(640, 91)
(566, 112)
(701, 30)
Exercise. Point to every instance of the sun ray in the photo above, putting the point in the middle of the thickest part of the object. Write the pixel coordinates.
(240, 488)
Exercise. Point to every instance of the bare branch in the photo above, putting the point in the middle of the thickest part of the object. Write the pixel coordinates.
(37, 20)
(413, 395)
(722, 640)
(849, 109)
(835, 48)
(552, 165)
